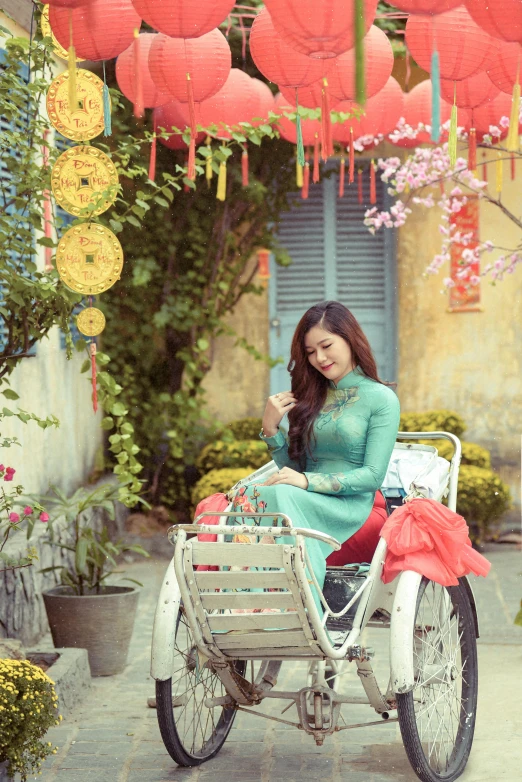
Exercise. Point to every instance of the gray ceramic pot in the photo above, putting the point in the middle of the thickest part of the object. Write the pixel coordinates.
(101, 623)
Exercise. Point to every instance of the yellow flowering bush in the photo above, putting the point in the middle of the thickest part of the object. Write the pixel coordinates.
(221, 455)
(218, 481)
(28, 708)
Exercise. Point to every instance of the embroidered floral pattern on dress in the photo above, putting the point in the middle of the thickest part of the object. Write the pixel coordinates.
(337, 400)
(325, 483)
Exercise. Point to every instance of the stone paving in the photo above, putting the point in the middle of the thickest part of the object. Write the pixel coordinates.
(114, 736)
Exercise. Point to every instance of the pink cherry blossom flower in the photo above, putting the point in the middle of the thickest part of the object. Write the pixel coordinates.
(44, 516)
(14, 518)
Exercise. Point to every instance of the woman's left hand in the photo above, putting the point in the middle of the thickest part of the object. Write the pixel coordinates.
(288, 476)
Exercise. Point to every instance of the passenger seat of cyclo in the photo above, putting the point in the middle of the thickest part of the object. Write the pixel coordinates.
(361, 546)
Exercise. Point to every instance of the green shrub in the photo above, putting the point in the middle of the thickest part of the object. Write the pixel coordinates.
(220, 454)
(244, 428)
(433, 421)
(218, 481)
(482, 498)
(471, 452)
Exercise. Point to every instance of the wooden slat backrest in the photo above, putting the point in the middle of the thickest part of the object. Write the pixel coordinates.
(239, 554)
(244, 579)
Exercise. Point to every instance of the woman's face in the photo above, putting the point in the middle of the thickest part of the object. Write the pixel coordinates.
(329, 353)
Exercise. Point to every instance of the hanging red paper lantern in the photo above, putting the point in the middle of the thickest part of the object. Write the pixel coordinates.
(311, 127)
(310, 97)
(505, 65)
(67, 3)
(265, 102)
(379, 116)
(319, 30)
(426, 6)
(207, 59)
(276, 60)
(173, 115)
(469, 93)
(187, 19)
(235, 102)
(126, 75)
(100, 30)
(501, 19)
(417, 109)
(378, 64)
(463, 46)
(491, 113)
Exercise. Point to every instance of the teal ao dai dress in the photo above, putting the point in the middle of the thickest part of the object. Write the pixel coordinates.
(354, 437)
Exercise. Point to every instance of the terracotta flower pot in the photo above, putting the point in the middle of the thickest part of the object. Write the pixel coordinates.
(101, 623)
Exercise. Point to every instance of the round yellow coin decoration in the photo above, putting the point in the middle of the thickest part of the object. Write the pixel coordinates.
(89, 258)
(48, 33)
(90, 321)
(85, 121)
(82, 178)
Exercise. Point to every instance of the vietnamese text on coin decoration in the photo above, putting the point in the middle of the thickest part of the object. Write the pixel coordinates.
(89, 258)
(90, 321)
(48, 33)
(84, 181)
(85, 121)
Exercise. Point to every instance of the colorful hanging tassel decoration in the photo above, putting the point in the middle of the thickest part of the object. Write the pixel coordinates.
(191, 106)
(359, 185)
(512, 141)
(138, 77)
(341, 178)
(351, 172)
(499, 174)
(306, 180)
(315, 177)
(94, 380)
(191, 161)
(222, 182)
(152, 159)
(209, 172)
(513, 166)
(484, 167)
(452, 139)
(71, 67)
(107, 122)
(299, 133)
(435, 96)
(298, 174)
(373, 191)
(244, 167)
(360, 32)
(326, 123)
(472, 150)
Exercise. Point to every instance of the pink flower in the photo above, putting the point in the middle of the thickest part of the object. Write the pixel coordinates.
(2, 468)
(8, 476)
(14, 518)
(44, 516)
(28, 510)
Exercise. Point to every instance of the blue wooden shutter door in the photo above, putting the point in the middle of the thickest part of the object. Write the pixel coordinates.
(334, 257)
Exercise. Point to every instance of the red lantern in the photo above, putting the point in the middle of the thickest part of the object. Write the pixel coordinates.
(276, 60)
(380, 115)
(463, 46)
(100, 30)
(265, 102)
(206, 59)
(67, 3)
(127, 77)
(310, 97)
(426, 6)
(469, 93)
(378, 57)
(319, 30)
(235, 102)
(417, 109)
(501, 19)
(506, 65)
(311, 127)
(187, 19)
(173, 115)
(490, 114)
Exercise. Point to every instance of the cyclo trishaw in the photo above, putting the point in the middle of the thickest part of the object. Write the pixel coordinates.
(217, 650)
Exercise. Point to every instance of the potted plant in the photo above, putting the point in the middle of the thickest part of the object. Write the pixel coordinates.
(27, 710)
(85, 611)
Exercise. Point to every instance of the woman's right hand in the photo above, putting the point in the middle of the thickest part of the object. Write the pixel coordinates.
(276, 407)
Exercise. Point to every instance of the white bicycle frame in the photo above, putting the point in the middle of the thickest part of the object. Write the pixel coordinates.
(397, 598)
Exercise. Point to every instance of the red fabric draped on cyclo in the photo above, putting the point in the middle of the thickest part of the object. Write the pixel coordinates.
(361, 546)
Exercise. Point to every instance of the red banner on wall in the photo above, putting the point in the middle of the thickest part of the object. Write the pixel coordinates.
(464, 297)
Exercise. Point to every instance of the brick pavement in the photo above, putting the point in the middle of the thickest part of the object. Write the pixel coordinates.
(114, 736)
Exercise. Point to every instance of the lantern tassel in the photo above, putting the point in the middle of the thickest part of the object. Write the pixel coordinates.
(326, 123)
(435, 96)
(373, 193)
(209, 172)
(499, 172)
(94, 379)
(138, 78)
(360, 32)
(472, 150)
(299, 133)
(152, 160)
(359, 186)
(107, 124)
(351, 171)
(512, 142)
(222, 182)
(315, 177)
(191, 162)
(452, 139)
(306, 180)
(191, 105)
(298, 174)
(244, 167)
(341, 178)
(71, 68)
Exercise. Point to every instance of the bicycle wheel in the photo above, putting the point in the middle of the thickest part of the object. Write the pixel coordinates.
(191, 732)
(437, 718)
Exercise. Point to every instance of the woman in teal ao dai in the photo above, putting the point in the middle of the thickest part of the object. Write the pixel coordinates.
(343, 426)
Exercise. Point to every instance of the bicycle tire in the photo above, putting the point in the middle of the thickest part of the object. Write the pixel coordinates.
(435, 680)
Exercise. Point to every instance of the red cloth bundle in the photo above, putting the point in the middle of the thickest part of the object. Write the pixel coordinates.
(428, 538)
(216, 502)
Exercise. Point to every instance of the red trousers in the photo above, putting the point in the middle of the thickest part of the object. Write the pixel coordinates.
(361, 546)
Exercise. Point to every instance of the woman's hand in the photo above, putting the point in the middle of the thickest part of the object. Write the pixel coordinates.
(288, 476)
(276, 407)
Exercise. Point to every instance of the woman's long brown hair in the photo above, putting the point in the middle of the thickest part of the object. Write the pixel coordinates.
(308, 384)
